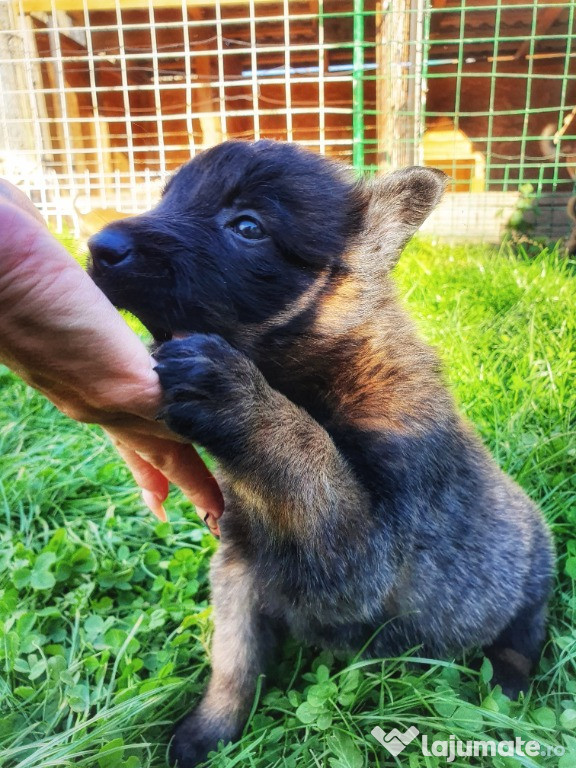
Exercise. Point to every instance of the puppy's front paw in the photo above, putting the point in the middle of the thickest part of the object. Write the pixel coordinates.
(210, 390)
(195, 737)
(197, 367)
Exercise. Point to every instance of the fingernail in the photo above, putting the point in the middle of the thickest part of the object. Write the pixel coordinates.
(209, 520)
(215, 508)
(154, 504)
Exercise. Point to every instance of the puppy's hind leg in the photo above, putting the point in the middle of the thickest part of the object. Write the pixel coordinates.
(241, 644)
(517, 649)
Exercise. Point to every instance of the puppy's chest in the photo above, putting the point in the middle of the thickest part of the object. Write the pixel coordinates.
(311, 588)
(318, 607)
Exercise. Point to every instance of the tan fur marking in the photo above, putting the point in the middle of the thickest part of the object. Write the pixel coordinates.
(339, 308)
(299, 509)
(389, 379)
(301, 304)
(234, 646)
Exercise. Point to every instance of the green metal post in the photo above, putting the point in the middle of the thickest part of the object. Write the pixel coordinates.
(358, 87)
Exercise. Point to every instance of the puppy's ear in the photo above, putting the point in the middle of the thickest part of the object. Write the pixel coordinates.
(397, 205)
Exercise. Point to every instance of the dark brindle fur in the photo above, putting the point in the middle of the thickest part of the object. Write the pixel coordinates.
(357, 501)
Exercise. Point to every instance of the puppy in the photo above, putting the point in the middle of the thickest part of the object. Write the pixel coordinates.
(360, 509)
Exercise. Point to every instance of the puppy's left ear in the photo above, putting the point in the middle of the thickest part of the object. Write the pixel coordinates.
(397, 206)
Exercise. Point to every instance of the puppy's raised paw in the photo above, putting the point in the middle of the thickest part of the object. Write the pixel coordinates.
(210, 390)
(196, 367)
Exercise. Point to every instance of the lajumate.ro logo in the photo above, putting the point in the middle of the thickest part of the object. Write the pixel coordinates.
(396, 741)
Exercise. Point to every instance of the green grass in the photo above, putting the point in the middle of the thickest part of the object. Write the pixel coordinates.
(104, 614)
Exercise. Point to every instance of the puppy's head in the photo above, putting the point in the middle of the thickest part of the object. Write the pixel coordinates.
(245, 232)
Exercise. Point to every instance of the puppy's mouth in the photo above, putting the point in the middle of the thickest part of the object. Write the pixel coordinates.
(161, 335)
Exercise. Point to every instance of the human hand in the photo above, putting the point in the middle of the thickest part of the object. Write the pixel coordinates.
(62, 336)
(154, 461)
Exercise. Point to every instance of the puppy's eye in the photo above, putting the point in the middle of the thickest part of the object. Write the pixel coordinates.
(248, 228)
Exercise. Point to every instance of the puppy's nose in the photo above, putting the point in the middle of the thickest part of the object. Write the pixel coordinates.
(110, 247)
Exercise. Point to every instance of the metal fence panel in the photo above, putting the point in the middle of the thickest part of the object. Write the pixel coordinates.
(101, 99)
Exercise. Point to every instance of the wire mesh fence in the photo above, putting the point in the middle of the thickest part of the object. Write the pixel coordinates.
(101, 99)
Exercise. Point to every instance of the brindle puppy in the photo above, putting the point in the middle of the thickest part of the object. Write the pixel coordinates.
(358, 503)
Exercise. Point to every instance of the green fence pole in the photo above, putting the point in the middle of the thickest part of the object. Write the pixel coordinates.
(358, 87)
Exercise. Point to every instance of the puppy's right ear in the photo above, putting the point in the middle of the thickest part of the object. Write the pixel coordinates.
(397, 206)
